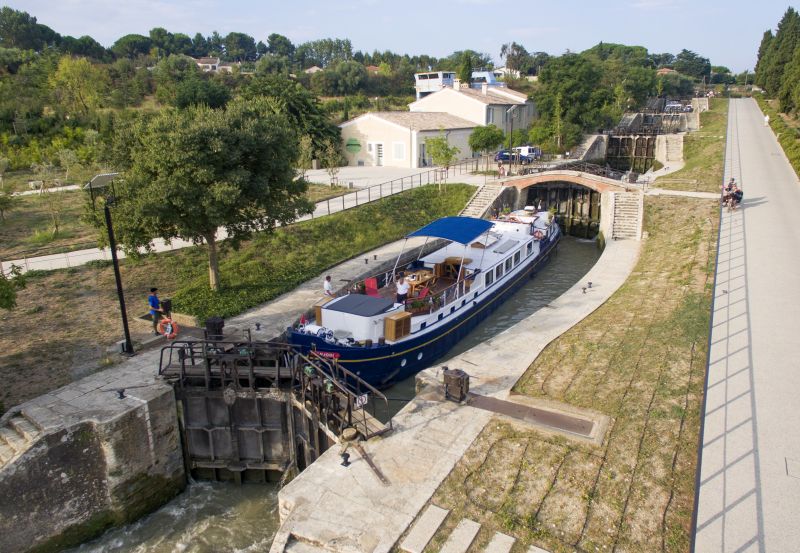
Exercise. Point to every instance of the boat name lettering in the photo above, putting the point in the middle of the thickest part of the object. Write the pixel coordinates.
(327, 354)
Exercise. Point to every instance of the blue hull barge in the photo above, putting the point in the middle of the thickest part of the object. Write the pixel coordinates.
(451, 290)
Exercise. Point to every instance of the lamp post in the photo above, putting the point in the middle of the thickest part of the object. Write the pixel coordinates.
(100, 182)
(510, 113)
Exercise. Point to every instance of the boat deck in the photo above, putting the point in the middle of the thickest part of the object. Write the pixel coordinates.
(435, 286)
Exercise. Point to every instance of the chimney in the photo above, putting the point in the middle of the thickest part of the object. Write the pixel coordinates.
(456, 83)
(484, 88)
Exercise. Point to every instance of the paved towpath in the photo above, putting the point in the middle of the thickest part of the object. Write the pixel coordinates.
(323, 208)
(749, 480)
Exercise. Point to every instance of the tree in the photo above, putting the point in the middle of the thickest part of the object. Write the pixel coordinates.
(193, 171)
(305, 155)
(7, 200)
(19, 30)
(199, 46)
(240, 47)
(279, 45)
(9, 284)
(78, 85)
(691, 64)
(486, 139)
(299, 105)
(169, 73)
(52, 199)
(516, 56)
(132, 46)
(332, 159)
(84, 46)
(200, 91)
(67, 158)
(442, 154)
(350, 75)
(273, 64)
(466, 68)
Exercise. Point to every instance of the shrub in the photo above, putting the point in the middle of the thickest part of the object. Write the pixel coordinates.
(788, 137)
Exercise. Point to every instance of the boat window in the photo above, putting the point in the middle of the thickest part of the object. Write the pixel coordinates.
(498, 271)
(489, 278)
(530, 247)
(508, 264)
(517, 257)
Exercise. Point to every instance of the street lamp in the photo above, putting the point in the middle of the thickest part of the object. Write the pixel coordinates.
(510, 114)
(99, 183)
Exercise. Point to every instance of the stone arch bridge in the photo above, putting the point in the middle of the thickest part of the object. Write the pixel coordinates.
(586, 203)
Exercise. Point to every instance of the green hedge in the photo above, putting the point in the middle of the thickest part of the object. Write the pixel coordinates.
(273, 264)
(788, 137)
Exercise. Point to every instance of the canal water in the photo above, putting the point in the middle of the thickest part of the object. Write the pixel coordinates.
(214, 517)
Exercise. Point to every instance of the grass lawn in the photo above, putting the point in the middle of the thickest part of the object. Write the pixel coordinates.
(65, 320)
(26, 230)
(640, 359)
(701, 150)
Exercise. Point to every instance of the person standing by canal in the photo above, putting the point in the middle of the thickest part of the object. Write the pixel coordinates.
(156, 312)
(327, 286)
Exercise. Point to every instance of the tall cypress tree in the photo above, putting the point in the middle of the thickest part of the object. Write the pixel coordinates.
(763, 50)
(781, 51)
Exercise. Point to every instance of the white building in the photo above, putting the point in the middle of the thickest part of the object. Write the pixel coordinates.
(484, 106)
(208, 65)
(432, 81)
(397, 138)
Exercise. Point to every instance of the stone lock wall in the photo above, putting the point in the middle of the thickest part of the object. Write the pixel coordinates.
(78, 480)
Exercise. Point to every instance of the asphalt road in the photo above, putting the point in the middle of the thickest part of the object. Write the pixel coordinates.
(749, 488)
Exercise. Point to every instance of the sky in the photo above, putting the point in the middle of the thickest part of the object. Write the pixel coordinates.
(727, 32)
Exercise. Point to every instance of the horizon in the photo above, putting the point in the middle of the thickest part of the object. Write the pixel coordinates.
(629, 21)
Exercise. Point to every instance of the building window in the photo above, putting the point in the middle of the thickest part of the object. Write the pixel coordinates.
(517, 257)
(399, 150)
(508, 264)
(490, 115)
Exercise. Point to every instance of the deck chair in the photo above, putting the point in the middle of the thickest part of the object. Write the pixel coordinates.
(371, 287)
(424, 292)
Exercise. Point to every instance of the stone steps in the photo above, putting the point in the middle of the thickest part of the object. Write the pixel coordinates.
(16, 437)
(460, 539)
(481, 201)
(627, 215)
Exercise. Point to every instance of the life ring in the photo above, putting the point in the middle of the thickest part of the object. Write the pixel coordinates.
(168, 328)
(538, 234)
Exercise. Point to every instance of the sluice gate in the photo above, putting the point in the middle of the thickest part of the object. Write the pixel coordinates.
(253, 411)
(577, 207)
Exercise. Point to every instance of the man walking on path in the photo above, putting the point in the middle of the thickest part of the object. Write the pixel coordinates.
(156, 311)
(327, 286)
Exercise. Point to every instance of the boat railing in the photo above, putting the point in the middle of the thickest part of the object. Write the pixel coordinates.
(344, 399)
(444, 297)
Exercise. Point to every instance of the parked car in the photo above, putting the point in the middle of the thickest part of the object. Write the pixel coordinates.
(505, 156)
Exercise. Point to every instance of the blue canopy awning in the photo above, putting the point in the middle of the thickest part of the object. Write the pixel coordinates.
(457, 229)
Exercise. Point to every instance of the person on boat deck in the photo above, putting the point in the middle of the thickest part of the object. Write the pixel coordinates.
(327, 286)
(402, 290)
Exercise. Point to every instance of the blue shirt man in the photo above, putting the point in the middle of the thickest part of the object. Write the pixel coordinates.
(155, 308)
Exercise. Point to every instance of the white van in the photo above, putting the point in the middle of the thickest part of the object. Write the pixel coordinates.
(533, 152)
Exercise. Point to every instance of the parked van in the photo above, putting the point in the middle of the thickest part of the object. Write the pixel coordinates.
(533, 152)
